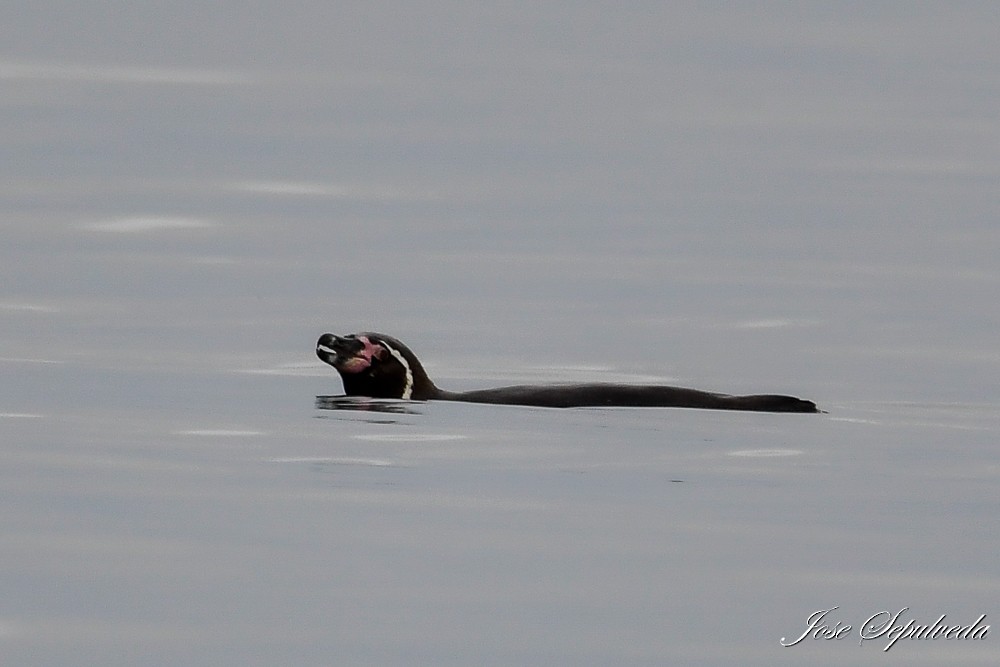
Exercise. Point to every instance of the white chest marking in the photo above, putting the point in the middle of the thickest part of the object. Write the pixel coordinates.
(408, 387)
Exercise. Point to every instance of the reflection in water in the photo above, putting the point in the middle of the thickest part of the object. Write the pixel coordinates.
(359, 404)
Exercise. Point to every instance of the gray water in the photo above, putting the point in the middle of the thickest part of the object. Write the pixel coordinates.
(769, 198)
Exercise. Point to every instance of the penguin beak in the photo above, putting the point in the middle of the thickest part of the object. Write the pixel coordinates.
(331, 348)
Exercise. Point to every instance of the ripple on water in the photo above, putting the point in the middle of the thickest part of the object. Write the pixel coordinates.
(220, 433)
(409, 437)
(764, 453)
(329, 460)
(146, 224)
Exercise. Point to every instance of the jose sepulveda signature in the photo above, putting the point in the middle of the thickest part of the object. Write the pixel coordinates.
(889, 627)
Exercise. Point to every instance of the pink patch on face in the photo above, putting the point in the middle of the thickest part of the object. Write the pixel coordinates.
(353, 365)
(363, 359)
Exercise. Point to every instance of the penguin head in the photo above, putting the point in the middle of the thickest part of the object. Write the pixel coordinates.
(375, 365)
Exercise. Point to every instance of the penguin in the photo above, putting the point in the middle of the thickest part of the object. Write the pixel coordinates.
(380, 366)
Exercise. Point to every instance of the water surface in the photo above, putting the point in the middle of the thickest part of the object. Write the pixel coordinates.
(768, 199)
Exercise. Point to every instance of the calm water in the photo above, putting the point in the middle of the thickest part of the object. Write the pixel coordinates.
(794, 200)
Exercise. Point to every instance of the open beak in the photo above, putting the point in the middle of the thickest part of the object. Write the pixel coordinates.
(348, 354)
(330, 348)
